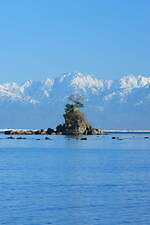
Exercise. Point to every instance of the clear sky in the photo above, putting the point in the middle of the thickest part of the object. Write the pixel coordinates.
(43, 38)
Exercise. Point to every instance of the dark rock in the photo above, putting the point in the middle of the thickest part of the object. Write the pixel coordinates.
(47, 138)
(113, 137)
(10, 137)
(40, 132)
(75, 123)
(60, 128)
(37, 132)
(93, 131)
(8, 132)
(21, 138)
(83, 138)
(50, 131)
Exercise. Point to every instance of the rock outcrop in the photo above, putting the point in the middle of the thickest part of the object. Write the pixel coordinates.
(76, 124)
(26, 132)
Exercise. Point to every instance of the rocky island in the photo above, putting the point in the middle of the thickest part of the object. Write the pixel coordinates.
(75, 124)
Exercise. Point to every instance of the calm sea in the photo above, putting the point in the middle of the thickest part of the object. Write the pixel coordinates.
(68, 181)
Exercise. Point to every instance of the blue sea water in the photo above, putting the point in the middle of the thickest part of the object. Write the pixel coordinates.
(68, 181)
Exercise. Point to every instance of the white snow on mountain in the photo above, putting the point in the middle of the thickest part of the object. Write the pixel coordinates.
(10, 90)
(68, 83)
(27, 84)
(127, 98)
(87, 82)
(130, 82)
(47, 87)
(109, 96)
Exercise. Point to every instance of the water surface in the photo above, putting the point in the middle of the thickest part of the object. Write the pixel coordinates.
(68, 181)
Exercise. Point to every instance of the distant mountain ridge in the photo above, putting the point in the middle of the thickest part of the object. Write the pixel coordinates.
(117, 104)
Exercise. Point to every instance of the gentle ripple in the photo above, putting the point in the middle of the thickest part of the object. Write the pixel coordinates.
(66, 181)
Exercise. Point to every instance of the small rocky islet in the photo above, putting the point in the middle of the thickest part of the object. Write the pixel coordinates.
(75, 124)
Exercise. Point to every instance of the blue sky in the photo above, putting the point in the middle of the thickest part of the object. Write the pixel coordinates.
(43, 38)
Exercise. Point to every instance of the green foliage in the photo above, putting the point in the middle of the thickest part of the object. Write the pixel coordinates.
(68, 108)
(71, 107)
(79, 105)
(76, 103)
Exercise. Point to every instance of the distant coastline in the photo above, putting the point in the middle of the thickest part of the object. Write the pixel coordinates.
(126, 131)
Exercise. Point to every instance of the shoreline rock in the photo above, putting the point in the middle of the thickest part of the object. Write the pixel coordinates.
(76, 124)
(26, 132)
(51, 131)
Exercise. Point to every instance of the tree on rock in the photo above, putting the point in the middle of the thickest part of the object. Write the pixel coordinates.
(76, 103)
(75, 121)
(68, 108)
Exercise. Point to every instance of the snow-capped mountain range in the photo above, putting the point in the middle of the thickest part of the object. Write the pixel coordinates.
(122, 103)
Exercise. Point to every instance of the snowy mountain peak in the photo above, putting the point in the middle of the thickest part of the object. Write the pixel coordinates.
(49, 82)
(90, 82)
(69, 83)
(84, 82)
(131, 81)
(27, 84)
